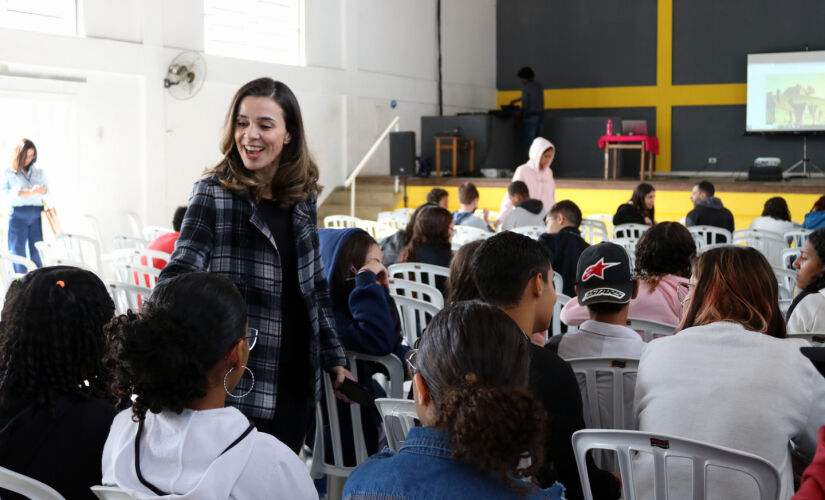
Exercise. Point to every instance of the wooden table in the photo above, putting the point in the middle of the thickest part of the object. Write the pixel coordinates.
(644, 143)
(453, 143)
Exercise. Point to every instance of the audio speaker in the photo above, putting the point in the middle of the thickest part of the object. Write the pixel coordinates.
(765, 174)
(402, 154)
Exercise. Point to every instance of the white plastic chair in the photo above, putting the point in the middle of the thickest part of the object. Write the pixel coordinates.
(629, 444)
(555, 325)
(80, 248)
(110, 493)
(127, 296)
(702, 249)
(650, 329)
(27, 486)
(709, 235)
(817, 339)
(375, 229)
(94, 228)
(531, 231)
(116, 261)
(140, 275)
(396, 220)
(406, 288)
(8, 274)
(617, 378)
(152, 232)
(606, 219)
(405, 211)
(135, 225)
(593, 231)
(466, 234)
(418, 272)
(49, 252)
(797, 237)
(558, 282)
(123, 241)
(340, 221)
(414, 315)
(629, 231)
(768, 243)
(334, 466)
(629, 244)
(492, 215)
(399, 417)
(788, 256)
(786, 279)
(784, 305)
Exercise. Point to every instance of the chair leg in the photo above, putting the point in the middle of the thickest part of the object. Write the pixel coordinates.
(335, 487)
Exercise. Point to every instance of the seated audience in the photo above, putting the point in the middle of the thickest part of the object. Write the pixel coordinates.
(663, 259)
(55, 403)
(815, 219)
(468, 201)
(430, 241)
(776, 217)
(460, 284)
(807, 311)
(479, 420)
(640, 209)
(513, 272)
(166, 242)
(812, 485)
(440, 197)
(181, 358)
(605, 286)
(711, 382)
(564, 242)
(526, 211)
(393, 245)
(365, 318)
(708, 209)
(537, 174)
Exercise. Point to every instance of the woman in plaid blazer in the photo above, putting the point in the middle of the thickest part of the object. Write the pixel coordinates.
(252, 218)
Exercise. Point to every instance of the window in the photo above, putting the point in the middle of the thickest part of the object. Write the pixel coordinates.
(49, 16)
(263, 30)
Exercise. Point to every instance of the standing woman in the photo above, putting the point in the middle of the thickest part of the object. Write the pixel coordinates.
(252, 219)
(25, 185)
(640, 209)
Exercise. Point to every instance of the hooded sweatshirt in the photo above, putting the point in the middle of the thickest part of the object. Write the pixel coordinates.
(540, 182)
(710, 212)
(183, 455)
(814, 220)
(527, 213)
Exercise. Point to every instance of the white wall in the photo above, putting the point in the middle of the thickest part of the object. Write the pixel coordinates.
(139, 149)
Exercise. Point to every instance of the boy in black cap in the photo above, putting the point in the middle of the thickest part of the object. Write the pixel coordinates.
(605, 285)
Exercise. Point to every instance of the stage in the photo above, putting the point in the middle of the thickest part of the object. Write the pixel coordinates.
(745, 199)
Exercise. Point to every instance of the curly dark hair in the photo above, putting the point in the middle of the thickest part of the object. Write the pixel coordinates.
(432, 227)
(460, 284)
(51, 339)
(475, 361)
(165, 355)
(665, 248)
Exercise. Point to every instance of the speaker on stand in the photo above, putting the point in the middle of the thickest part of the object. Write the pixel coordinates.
(402, 157)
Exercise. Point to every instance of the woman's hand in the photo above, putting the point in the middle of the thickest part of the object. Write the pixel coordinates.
(648, 221)
(340, 374)
(381, 274)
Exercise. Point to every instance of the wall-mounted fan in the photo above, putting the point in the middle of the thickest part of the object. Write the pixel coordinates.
(185, 75)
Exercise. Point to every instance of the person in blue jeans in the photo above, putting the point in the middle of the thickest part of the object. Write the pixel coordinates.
(479, 420)
(25, 184)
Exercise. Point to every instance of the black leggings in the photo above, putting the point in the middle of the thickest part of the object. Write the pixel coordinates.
(290, 423)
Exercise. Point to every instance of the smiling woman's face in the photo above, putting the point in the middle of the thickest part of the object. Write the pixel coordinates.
(260, 133)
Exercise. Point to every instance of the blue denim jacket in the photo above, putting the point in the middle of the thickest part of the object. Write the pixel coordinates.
(423, 469)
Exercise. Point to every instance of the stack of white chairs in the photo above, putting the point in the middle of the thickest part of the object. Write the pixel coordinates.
(340, 221)
(593, 231)
(415, 315)
(466, 234)
(796, 238)
(650, 329)
(768, 243)
(531, 231)
(135, 266)
(419, 291)
(80, 248)
(629, 231)
(710, 235)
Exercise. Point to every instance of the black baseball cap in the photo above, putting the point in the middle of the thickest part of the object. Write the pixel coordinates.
(603, 275)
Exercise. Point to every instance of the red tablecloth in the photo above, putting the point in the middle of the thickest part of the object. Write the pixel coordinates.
(650, 142)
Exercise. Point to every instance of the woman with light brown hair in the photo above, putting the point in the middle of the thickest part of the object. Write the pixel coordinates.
(25, 185)
(252, 219)
(729, 376)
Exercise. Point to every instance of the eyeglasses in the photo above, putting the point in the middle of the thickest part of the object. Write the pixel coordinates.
(252, 337)
(412, 358)
(683, 291)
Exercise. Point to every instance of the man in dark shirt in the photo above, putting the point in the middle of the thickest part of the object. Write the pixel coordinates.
(708, 209)
(564, 242)
(532, 106)
(513, 272)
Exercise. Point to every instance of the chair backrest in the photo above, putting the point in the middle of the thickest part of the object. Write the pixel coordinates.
(80, 248)
(797, 237)
(784, 305)
(49, 252)
(466, 234)
(491, 214)
(399, 417)
(135, 225)
(418, 272)
(414, 315)
(629, 231)
(27, 486)
(123, 241)
(617, 379)
(606, 219)
(702, 249)
(375, 229)
(531, 231)
(139, 275)
(405, 211)
(555, 326)
(629, 244)
(152, 232)
(593, 231)
(322, 464)
(788, 256)
(817, 339)
(709, 235)
(8, 273)
(786, 279)
(395, 220)
(406, 288)
(649, 328)
(630, 444)
(339, 221)
(127, 296)
(558, 281)
(768, 243)
(110, 493)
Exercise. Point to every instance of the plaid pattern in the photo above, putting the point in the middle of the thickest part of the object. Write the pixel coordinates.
(223, 232)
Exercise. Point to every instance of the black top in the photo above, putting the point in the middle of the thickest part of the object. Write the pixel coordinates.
(627, 214)
(64, 452)
(565, 248)
(294, 370)
(555, 386)
(429, 254)
(710, 212)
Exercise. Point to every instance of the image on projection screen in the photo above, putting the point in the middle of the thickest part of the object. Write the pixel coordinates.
(786, 92)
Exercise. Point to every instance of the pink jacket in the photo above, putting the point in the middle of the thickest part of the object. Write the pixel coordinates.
(661, 305)
(539, 182)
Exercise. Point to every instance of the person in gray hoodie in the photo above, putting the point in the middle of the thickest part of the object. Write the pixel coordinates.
(708, 209)
(527, 211)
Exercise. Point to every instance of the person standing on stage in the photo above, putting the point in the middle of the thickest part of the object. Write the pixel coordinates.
(532, 106)
(25, 185)
(538, 176)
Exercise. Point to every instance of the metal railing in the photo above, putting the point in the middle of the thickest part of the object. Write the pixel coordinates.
(350, 182)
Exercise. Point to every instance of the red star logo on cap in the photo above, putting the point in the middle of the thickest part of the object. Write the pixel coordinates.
(597, 269)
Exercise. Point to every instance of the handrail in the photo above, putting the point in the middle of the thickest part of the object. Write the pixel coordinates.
(350, 182)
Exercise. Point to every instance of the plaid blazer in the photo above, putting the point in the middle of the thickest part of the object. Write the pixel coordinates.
(223, 232)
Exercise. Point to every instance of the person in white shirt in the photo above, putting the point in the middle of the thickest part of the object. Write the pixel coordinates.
(527, 211)
(182, 357)
(468, 201)
(807, 311)
(776, 217)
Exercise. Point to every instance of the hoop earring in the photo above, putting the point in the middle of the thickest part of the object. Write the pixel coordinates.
(226, 389)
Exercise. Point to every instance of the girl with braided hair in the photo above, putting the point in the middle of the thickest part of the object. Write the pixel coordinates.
(807, 311)
(55, 404)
